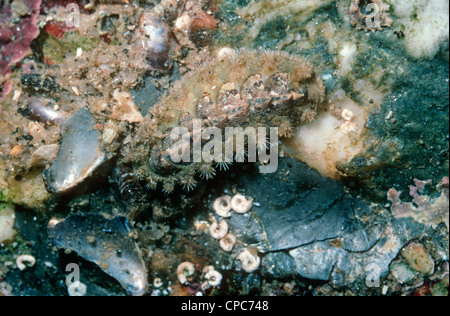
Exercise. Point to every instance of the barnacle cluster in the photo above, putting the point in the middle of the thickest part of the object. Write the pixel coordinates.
(209, 277)
(239, 89)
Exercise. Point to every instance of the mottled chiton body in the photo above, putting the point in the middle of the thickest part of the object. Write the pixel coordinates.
(234, 89)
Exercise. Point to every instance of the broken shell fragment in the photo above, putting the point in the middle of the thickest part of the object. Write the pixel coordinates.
(125, 109)
(106, 242)
(7, 220)
(39, 112)
(418, 258)
(44, 155)
(80, 154)
(25, 260)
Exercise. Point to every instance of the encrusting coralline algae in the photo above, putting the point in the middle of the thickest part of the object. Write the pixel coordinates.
(423, 208)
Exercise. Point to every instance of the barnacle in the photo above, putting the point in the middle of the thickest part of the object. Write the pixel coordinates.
(241, 204)
(242, 89)
(228, 242)
(77, 288)
(250, 261)
(219, 229)
(222, 206)
(213, 278)
(22, 259)
(185, 270)
(347, 114)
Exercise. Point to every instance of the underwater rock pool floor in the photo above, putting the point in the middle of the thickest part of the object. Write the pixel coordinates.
(91, 205)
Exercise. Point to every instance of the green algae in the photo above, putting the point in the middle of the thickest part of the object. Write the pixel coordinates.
(3, 196)
(56, 49)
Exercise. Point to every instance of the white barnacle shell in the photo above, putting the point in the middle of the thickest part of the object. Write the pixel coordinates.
(222, 206)
(185, 270)
(241, 204)
(226, 52)
(228, 242)
(213, 277)
(22, 259)
(219, 229)
(347, 114)
(77, 288)
(250, 261)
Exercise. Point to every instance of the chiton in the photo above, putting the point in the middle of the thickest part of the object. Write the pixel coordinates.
(240, 89)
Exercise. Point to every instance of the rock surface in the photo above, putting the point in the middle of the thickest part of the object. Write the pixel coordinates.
(304, 207)
(108, 243)
(328, 235)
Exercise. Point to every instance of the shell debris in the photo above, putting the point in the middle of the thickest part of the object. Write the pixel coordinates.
(24, 261)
